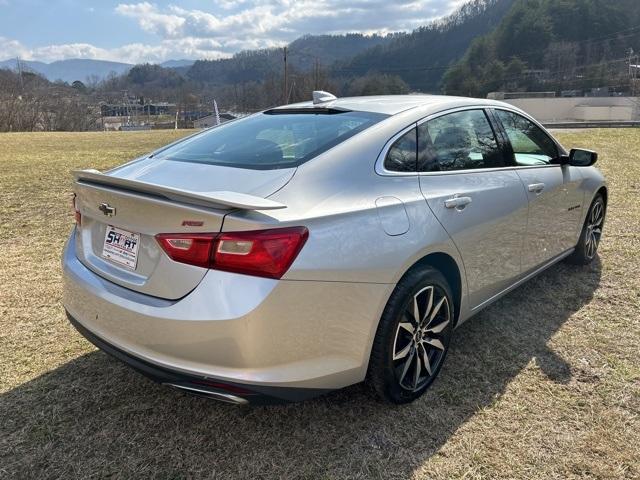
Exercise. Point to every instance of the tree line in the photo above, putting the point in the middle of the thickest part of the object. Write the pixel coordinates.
(29, 102)
(551, 45)
(486, 45)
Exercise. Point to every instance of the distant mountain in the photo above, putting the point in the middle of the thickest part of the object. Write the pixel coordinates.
(257, 65)
(177, 63)
(328, 49)
(83, 69)
(71, 70)
(421, 57)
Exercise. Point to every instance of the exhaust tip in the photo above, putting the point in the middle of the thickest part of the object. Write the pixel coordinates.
(220, 396)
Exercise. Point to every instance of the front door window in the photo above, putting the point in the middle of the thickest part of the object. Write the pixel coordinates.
(531, 145)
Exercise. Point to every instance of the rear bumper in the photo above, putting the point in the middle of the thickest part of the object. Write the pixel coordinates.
(288, 340)
(228, 392)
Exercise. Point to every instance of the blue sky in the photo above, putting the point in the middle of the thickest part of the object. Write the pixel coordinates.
(157, 31)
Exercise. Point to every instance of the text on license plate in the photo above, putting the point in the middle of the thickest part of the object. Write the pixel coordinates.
(121, 246)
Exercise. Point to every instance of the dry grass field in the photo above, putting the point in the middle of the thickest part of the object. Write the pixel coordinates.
(543, 384)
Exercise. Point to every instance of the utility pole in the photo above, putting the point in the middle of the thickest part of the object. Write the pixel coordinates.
(19, 65)
(633, 70)
(635, 75)
(286, 90)
(215, 109)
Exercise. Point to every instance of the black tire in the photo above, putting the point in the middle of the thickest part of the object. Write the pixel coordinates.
(395, 380)
(587, 247)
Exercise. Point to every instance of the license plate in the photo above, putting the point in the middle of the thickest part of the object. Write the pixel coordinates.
(121, 246)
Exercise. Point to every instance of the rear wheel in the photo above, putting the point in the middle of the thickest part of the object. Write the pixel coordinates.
(413, 336)
(587, 246)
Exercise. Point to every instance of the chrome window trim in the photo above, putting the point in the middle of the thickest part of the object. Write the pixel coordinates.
(485, 170)
(381, 170)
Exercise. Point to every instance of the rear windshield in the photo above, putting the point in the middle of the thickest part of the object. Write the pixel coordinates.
(271, 140)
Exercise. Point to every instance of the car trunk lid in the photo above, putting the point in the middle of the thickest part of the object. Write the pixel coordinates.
(133, 203)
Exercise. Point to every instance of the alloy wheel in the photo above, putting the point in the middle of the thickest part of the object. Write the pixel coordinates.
(594, 229)
(418, 347)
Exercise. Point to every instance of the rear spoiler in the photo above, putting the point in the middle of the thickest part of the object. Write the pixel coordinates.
(205, 199)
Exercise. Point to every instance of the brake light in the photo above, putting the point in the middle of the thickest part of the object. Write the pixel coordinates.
(263, 253)
(76, 213)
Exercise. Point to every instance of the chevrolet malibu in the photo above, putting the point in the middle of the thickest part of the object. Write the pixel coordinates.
(317, 245)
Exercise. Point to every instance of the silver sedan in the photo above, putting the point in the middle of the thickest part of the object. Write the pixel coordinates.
(313, 246)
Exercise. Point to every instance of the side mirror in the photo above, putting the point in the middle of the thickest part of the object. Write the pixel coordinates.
(578, 157)
(582, 158)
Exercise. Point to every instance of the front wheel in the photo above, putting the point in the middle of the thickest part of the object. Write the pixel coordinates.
(413, 336)
(587, 246)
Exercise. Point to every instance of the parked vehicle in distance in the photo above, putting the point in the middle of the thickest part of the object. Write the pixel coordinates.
(313, 246)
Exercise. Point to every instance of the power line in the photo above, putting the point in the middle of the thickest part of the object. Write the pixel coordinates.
(613, 35)
(527, 54)
(569, 70)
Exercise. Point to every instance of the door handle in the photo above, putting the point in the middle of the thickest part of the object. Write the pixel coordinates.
(536, 187)
(457, 202)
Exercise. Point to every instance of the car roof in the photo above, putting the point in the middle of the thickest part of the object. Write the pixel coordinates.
(394, 104)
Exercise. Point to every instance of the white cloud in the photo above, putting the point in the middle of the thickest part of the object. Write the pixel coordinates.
(231, 26)
(151, 20)
(130, 53)
(261, 23)
(12, 48)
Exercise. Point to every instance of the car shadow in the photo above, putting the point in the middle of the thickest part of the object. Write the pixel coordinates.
(93, 416)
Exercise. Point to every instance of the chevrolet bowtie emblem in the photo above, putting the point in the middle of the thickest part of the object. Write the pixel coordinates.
(107, 209)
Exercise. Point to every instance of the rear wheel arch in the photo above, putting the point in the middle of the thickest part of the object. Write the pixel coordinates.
(449, 268)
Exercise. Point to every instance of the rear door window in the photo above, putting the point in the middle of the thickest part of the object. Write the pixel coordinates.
(272, 140)
(458, 141)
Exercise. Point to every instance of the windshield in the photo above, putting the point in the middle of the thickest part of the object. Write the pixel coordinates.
(271, 140)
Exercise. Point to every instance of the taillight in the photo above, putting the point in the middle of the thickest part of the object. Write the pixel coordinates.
(194, 249)
(76, 213)
(263, 253)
